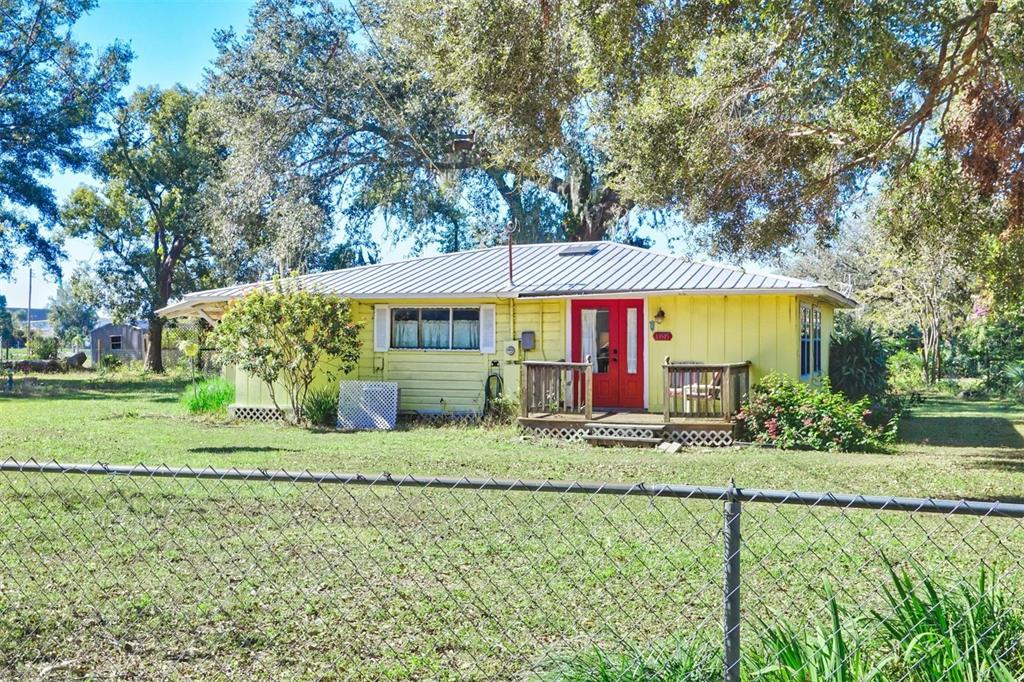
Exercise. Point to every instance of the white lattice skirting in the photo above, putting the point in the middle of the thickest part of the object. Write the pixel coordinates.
(713, 438)
(568, 433)
(256, 414)
(367, 405)
(613, 432)
(700, 438)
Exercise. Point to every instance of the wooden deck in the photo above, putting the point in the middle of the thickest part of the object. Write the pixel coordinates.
(547, 419)
(642, 429)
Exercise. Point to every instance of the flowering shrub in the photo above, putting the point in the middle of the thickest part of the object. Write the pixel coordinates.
(792, 415)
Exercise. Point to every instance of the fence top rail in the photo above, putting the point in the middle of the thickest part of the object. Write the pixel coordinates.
(790, 497)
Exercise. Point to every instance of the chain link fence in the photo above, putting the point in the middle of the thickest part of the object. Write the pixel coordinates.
(155, 573)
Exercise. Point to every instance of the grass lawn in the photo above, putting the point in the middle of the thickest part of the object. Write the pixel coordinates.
(952, 448)
(158, 578)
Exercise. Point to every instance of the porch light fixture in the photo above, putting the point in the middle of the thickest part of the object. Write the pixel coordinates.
(659, 316)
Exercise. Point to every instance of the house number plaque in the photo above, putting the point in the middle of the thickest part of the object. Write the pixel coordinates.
(662, 336)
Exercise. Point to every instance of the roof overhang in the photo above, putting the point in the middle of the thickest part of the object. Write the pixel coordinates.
(211, 307)
(825, 293)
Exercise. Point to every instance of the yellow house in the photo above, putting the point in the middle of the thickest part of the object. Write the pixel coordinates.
(582, 333)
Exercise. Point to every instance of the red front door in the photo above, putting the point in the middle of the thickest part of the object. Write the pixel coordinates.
(611, 332)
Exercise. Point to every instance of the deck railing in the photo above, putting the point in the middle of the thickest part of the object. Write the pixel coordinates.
(699, 390)
(557, 388)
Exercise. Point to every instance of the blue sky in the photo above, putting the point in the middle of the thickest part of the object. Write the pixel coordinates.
(173, 43)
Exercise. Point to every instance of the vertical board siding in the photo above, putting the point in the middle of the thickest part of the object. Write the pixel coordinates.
(762, 329)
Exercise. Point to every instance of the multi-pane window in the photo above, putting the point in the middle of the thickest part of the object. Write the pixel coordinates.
(115, 343)
(816, 338)
(810, 340)
(435, 328)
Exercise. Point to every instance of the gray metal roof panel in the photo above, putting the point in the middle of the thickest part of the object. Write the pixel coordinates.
(538, 269)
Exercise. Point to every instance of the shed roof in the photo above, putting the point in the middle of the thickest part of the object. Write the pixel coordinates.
(555, 270)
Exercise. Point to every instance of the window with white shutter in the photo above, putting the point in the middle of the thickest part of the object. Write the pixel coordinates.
(381, 328)
(487, 331)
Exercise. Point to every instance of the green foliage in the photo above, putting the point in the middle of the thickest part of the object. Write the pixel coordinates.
(789, 414)
(149, 218)
(53, 91)
(674, 662)
(304, 76)
(209, 396)
(1014, 378)
(70, 316)
(284, 334)
(817, 652)
(110, 363)
(43, 348)
(906, 372)
(972, 633)
(6, 324)
(321, 406)
(503, 409)
(857, 360)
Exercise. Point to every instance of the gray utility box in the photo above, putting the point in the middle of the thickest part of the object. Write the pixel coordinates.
(367, 405)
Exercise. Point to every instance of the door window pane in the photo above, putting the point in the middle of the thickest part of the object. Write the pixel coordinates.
(588, 335)
(603, 334)
(631, 340)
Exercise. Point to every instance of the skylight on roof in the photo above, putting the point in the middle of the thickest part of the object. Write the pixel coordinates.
(578, 250)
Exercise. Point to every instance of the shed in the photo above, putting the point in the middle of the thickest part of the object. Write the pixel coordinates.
(126, 342)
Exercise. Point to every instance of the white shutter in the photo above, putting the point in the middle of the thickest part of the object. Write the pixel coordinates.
(487, 332)
(381, 328)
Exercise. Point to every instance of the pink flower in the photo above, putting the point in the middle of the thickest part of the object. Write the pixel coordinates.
(808, 422)
(773, 426)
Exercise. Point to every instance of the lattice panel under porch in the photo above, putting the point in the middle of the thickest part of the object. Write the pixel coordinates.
(613, 432)
(701, 438)
(256, 414)
(571, 434)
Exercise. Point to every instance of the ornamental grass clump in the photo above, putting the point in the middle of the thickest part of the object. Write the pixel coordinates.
(793, 415)
(210, 396)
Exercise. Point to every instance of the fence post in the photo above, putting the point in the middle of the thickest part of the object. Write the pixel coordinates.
(731, 602)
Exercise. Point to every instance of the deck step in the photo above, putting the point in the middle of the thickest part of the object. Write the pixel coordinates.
(633, 440)
(622, 426)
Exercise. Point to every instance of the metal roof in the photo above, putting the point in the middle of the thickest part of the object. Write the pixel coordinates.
(591, 268)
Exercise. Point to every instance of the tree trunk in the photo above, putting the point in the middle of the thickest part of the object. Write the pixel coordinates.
(154, 354)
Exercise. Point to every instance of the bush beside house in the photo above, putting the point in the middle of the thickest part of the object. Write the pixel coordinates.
(286, 337)
(789, 414)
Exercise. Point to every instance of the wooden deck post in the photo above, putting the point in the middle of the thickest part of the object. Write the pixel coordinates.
(727, 392)
(589, 388)
(666, 406)
(524, 391)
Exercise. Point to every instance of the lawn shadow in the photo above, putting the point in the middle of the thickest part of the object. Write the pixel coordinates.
(232, 449)
(84, 387)
(964, 424)
(962, 432)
